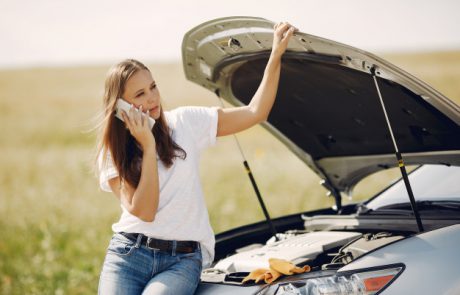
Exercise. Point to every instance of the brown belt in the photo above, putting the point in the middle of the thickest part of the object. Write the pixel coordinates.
(164, 245)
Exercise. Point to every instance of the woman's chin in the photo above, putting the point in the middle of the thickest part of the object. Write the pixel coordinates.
(155, 115)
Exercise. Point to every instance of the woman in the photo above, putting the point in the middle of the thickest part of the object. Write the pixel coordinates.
(164, 238)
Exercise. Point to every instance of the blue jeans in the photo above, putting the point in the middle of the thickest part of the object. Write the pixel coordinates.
(132, 268)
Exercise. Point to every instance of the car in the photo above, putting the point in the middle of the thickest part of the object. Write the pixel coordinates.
(402, 240)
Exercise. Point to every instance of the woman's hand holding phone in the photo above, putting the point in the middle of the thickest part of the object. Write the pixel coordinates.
(123, 105)
(138, 124)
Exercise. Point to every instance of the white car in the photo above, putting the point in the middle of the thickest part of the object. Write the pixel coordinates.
(347, 114)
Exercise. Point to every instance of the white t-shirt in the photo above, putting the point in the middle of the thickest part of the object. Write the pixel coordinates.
(182, 213)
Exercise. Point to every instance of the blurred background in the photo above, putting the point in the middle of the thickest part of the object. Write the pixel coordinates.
(56, 223)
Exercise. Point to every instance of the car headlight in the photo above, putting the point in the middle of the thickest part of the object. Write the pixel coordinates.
(359, 282)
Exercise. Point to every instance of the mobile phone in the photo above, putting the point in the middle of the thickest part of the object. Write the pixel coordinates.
(123, 105)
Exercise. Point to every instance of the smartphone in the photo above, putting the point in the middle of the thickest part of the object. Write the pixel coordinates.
(123, 105)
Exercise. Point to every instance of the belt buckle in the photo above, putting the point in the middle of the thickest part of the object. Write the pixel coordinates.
(148, 244)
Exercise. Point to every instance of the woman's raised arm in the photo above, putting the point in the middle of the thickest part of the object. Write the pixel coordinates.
(233, 120)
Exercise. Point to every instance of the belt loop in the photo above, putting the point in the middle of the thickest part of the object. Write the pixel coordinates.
(174, 246)
(138, 241)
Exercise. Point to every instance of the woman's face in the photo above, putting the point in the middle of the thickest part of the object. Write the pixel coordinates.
(141, 90)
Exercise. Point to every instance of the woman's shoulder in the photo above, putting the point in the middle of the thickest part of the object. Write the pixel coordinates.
(187, 113)
(199, 121)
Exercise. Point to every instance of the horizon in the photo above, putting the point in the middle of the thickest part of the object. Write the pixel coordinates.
(179, 61)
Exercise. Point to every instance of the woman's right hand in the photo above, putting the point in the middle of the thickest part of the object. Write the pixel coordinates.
(138, 125)
(141, 201)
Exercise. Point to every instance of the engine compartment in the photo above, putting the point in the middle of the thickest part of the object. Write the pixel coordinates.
(297, 248)
(321, 250)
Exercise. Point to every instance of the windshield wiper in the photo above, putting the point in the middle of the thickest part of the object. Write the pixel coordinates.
(451, 205)
(398, 209)
(362, 209)
(406, 208)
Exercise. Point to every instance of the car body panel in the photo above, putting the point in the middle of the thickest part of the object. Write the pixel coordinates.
(327, 109)
(434, 250)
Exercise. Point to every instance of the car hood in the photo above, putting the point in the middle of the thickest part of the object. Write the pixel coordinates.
(327, 109)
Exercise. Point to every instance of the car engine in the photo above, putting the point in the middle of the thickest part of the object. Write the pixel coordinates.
(321, 250)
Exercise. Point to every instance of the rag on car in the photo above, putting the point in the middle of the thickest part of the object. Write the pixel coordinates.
(277, 268)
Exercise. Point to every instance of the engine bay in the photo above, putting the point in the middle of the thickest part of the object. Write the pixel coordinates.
(321, 250)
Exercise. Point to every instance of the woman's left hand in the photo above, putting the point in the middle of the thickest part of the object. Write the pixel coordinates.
(283, 32)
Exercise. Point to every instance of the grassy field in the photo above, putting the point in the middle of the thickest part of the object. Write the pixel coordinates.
(55, 223)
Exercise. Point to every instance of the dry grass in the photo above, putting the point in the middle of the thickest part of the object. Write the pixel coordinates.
(56, 222)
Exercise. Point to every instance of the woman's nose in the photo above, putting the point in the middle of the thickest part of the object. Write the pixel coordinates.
(151, 97)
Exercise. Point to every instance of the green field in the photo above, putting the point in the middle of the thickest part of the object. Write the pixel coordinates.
(56, 223)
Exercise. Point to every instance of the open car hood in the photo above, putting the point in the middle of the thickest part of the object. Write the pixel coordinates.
(327, 109)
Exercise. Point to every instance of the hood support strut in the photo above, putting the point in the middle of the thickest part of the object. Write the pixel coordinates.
(270, 224)
(401, 165)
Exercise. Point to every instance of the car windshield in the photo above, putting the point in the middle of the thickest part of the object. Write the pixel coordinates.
(429, 183)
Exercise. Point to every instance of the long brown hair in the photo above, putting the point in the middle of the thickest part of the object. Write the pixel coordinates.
(115, 138)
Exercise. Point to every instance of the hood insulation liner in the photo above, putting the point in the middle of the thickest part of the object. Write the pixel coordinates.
(329, 110)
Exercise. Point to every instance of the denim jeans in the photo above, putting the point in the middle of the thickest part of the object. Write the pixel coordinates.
(132, 268)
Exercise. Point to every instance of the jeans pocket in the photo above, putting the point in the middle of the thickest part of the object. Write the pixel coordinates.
(187, 255)
(194, 256)
(121, 246)
(191, 263)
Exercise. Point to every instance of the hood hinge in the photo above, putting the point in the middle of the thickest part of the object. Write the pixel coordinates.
(334, 192)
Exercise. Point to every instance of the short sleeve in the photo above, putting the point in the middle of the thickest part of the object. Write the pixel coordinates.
(202, 122)
(107, 171)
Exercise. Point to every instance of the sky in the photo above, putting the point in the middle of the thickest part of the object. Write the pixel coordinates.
(85, 32)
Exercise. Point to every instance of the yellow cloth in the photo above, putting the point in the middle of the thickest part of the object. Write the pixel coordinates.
(277, 268)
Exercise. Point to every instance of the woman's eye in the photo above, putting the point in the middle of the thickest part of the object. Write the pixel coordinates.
(154, 86)
(140, 94)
